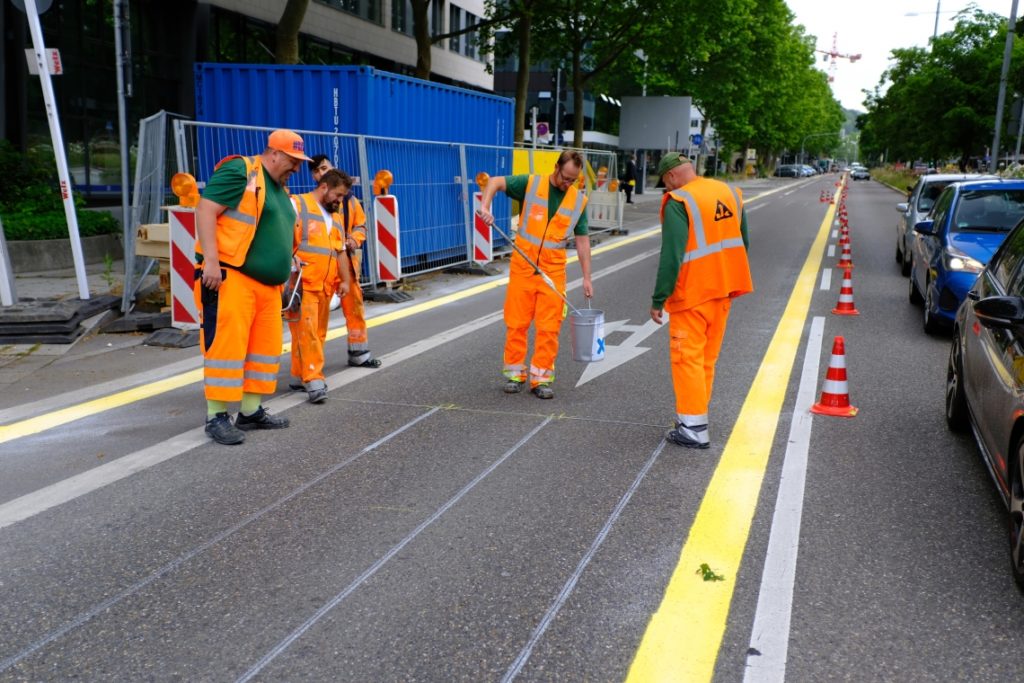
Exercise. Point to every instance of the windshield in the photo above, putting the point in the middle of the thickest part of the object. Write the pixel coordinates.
(989, 210)
(929, 193)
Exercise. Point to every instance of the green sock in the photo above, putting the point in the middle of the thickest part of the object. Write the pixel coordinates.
(250, 403)
(214, 407)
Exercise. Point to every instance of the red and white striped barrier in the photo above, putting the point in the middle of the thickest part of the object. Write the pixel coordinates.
(483, 245)
(184, 314)
(389, 262)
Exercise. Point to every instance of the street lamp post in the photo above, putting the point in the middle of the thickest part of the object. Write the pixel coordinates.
(812, 135)
(1001, 100)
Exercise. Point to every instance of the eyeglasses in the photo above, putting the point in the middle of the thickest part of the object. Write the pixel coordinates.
(563, 180)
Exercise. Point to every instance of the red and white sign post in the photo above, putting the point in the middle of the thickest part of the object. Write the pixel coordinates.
(389, 261)
(184, 314)
(483, 244)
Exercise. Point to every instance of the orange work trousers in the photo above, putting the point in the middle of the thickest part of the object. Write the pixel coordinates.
(352, 307)
(696, 339)
(528, 300)
(309, 333)
(240, 336)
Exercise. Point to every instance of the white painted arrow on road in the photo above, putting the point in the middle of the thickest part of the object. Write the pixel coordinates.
(614, 356)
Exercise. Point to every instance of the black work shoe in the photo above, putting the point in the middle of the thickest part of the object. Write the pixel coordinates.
(296, 385)
(513, 386)
(679, 437)
(220, 429)
(543, 391)
(261, 419)
(372, 363)
(318, 395)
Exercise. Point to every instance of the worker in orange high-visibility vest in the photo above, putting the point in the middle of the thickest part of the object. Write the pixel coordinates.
(552, 213)
(703, 267)
(319, 233)
(245, 226)
(354, 220)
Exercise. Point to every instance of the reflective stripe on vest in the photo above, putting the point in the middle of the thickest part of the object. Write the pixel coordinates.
(236, 227)
(697, 221)
(305, 216)
(533, 198)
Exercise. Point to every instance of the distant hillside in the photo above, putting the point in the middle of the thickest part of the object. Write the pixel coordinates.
(851, 120)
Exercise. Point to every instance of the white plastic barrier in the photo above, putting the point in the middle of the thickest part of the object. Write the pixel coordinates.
(184, 314)
(604, 210)
(389, 261)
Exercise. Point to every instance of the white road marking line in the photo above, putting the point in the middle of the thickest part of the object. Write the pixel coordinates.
(567, 589)
(826, 279)
(769, 640)
(835, 234)
(395, 549)
(831, 251)
(182, 559)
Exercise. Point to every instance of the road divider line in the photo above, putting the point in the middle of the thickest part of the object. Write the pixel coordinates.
(182, 559)
(375, 567)
(567, 589)
(684, 635)
(831, 251)
(826, 279)
(769, 641)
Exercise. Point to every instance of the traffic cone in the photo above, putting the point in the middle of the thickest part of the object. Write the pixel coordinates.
(835, 394)
(845, 259)
(845, 306)
(831, 198)
(821, 197)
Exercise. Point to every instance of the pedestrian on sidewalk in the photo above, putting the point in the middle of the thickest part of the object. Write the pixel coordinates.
(245, 224)
(354, 221)
(319, 234)
(703, 267)
(629, 177)
(552, 213)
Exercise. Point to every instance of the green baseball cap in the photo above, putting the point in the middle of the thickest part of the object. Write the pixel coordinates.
(670, 161)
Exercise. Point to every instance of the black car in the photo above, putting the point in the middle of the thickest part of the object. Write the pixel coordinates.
(985, 380)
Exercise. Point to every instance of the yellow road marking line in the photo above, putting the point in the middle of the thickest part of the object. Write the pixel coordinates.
(683, 637)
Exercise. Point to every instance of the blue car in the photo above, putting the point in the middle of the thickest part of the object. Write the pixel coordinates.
(968, 223)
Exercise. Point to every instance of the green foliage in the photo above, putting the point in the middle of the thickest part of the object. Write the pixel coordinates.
(31, 207)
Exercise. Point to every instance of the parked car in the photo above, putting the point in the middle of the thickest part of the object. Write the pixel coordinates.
(919, 203)
(859, 173)
(967, 225)
(985, 380)
(787, 171)
(807, 171)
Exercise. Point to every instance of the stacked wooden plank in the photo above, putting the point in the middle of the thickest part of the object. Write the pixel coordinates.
(153, 240)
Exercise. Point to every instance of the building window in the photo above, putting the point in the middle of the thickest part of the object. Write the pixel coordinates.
(364, 9)
(469, 39)
(454, 24)
(436, 17)
(401, 16)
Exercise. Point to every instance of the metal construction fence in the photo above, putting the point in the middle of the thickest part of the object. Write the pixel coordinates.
(434, 183)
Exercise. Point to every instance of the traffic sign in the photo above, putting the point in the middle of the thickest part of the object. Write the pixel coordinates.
(542, 129)
(697, 138)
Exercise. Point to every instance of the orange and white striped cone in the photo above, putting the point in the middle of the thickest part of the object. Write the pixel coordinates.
(835, 394)
(845, 306)
(844, 236)
(831, 198)
(846, 258)
(821, 197)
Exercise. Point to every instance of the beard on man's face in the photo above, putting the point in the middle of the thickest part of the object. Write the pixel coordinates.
(333, 206)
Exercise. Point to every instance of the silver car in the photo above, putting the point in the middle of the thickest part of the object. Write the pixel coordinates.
(919, 204)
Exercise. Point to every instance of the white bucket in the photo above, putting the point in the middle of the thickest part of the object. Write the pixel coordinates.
(586, 328)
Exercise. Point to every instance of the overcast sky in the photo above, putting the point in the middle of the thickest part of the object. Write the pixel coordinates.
(872, 28)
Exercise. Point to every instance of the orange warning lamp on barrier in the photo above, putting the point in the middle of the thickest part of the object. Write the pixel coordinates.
(482, 179)
(613, 186)
(382, 181)
(185, 187)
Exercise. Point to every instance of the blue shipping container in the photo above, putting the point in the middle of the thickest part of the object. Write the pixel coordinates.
(349, 99)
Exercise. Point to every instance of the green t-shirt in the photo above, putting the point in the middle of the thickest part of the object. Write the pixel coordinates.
(675, 232)
(270, 255)
(515, 187)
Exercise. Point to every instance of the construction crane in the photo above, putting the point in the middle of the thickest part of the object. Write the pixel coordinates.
(834, 54)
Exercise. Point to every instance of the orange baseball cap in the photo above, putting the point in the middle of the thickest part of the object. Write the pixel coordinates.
(289, 143)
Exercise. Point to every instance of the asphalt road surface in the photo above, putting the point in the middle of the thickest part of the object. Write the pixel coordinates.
(423, 526)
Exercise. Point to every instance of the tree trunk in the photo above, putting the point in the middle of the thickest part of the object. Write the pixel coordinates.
(421, 32)
(523, 77)
(577, 99)
(287, 38)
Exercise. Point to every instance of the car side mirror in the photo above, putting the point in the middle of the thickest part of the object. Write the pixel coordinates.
(910, 188)
(1000, 312)
(902, 207)
(925, 227)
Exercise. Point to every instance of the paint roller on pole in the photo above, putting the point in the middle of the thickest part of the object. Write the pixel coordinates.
(585, 326)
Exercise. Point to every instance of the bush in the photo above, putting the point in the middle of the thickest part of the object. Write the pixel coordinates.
(52, 225)
(30, 203)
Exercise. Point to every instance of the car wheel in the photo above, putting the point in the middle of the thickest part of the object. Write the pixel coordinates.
(1015, 513)
(931, 323)
(914, 296)
(956, 403)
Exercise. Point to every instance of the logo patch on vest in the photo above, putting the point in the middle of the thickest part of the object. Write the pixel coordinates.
(722, 211)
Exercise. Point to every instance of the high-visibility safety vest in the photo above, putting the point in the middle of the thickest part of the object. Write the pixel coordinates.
(543, 240)
(715, 262)
(356, 228)
(236, 227)
(320, 244)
